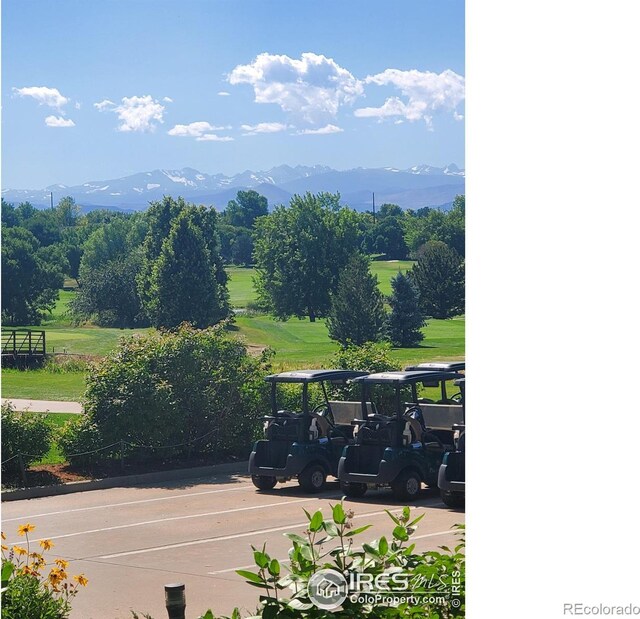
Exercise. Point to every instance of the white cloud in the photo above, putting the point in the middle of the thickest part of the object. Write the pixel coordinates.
(212, 137)
(224, 93)
(43, 95)
(313, 87)
(58, 121)
(167, 99)
(194, 130)
(135, 113)
(327, 129)
(264, 128)
(201, 131)
(425, 93)
(104, 105)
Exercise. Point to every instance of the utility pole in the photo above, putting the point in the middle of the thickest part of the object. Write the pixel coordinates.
(373, 195)
(51, 193)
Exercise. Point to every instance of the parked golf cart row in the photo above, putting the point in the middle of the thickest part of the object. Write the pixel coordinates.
(390, 437)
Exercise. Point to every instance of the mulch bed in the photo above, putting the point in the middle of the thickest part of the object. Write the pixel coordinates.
(55, 474)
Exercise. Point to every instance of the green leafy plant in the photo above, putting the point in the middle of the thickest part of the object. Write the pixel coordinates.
(437, 578)
(25, 435)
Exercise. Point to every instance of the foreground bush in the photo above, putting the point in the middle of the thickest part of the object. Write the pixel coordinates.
(80, 441)
(25, 433)
(29, 593)
(184, 393)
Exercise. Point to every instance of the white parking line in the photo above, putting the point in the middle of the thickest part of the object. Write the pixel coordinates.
(284, 562)
(210, 540)
(146, 522)
(110, 505)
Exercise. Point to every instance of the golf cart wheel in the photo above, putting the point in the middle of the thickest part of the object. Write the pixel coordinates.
(452, 499)
(353, 489)
(263, 482)
(406, 486)
(312, 478)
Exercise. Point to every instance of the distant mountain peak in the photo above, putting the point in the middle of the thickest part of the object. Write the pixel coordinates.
(415, 187)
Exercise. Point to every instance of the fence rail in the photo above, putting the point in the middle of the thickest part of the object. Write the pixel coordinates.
(23, 346)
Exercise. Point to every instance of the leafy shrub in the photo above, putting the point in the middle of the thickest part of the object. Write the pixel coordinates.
(26, 433)
(370, 357)
(78, 439)
(27, 593)
(197, 391)
(435, 580)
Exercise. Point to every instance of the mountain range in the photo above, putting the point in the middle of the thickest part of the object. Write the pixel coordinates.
(415, 187)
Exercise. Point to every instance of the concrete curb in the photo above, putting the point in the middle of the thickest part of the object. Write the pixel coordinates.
(125, 481)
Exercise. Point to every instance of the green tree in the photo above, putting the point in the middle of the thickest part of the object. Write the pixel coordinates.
(159, 221)
(357, 307)
(109, 295)
(406, 318)
(246, 208)
(183, 283)
(31, 277)
(299, 253)
(439, 277)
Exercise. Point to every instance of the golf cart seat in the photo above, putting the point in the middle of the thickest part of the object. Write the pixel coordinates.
(343, 414)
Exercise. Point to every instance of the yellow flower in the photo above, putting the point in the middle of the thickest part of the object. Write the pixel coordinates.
(56, 576)
(81, 580)
(5, 547)
(19, 550)
(47, 544)
(23, 529)
(62, 563)
(3, 535)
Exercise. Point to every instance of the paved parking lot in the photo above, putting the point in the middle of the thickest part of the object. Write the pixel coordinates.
(130, 542)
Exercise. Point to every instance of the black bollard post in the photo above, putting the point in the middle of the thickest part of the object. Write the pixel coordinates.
(175, 600)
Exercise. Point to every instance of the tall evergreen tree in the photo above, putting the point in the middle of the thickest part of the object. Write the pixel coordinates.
(357, 312)
(406, 318)
(183, 283)
(439, 277)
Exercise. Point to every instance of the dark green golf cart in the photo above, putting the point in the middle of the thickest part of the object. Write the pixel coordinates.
(305, 444)
(403, 447)
(451, 476)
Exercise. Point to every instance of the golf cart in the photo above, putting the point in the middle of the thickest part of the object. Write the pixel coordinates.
(305, 444)
(401, 448)
(451, 474)
(439, 366)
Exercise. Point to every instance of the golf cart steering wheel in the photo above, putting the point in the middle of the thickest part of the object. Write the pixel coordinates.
(415, 412)
(322, 410)
(456, 397)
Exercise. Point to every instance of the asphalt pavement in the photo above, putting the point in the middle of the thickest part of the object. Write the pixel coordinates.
(130, 542)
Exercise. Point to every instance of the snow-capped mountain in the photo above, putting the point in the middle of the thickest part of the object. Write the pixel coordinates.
(415, 187)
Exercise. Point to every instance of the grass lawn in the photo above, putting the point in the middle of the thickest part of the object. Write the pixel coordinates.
(240, 286)
(386, 269)
(300, 343)
(42, 385)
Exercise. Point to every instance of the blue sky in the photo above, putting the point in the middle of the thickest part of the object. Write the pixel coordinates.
(103, 89)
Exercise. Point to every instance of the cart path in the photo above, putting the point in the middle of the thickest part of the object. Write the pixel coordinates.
(42, 406)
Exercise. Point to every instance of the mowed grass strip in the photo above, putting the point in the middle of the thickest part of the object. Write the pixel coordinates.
(42, 385)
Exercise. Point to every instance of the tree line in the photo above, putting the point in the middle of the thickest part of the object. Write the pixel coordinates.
(165, 266)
